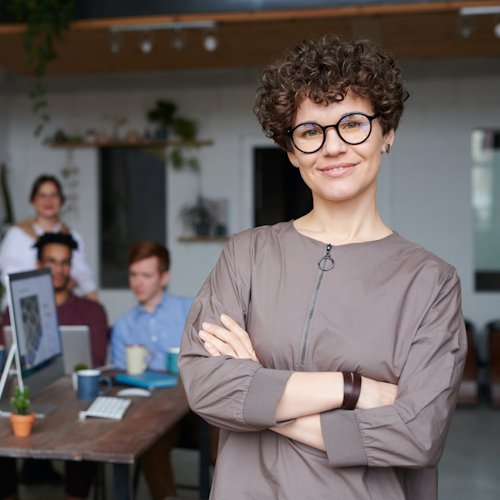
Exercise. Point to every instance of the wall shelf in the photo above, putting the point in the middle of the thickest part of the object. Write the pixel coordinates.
(153, 143)
(203, 239)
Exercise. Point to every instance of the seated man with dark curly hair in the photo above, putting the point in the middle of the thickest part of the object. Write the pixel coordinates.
(55, 251)
(329, 349)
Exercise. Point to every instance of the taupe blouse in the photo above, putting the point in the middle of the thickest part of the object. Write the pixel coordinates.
(387, 309)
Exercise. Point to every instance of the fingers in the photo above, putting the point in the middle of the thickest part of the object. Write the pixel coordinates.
(220, 336)
(211, 349)
(232, 326)
(215, 346)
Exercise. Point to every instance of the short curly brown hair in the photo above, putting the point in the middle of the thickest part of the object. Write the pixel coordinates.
(324, 70)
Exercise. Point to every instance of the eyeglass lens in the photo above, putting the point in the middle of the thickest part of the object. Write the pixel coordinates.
(353, 129)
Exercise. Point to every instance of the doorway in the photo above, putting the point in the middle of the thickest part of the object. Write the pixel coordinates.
(280, 194)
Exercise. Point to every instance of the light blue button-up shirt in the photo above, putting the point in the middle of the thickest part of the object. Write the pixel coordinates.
(158, 331)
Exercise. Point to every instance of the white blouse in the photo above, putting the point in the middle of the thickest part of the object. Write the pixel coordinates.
(17, 254)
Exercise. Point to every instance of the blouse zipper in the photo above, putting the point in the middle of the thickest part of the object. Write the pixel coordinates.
(326, 263)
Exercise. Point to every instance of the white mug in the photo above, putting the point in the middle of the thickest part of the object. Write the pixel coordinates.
(136, 358)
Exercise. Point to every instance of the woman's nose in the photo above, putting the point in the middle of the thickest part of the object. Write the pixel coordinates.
(333, 145)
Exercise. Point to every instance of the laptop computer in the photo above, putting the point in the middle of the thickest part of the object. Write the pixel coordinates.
(75, 345)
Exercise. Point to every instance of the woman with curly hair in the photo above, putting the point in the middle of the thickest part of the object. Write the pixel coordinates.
(329, 349)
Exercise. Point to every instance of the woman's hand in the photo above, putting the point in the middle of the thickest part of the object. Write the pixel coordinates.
(374, 394)
(231, 341)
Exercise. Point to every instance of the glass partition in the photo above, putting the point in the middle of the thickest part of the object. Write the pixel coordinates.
(486, 208)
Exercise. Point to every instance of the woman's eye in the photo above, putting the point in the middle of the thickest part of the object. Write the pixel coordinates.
(311, 133)
(308, 133)
(350, 125)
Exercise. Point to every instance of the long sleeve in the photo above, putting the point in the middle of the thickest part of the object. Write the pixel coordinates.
(238, 395)
(80, 270)
(16, 252)
(412, 432)
(119, 340)
(98, 325)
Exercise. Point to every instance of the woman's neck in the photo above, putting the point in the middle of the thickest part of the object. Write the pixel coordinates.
(46, 223)
(343, 222)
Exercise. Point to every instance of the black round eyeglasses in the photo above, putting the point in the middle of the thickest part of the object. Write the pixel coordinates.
(352, 129)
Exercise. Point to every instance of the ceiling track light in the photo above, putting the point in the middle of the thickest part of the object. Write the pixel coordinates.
(466, 27)
(147, 43)
(178, 39)
(165, 26)
(115, 43)
(210, 39)
(496, 28)
(469, 12)
(479, 11)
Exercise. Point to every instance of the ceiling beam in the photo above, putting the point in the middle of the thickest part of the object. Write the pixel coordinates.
(275, 15)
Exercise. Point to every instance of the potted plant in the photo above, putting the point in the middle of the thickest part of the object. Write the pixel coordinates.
(22, 420)
(197, 217)
(163, 114)
(74, 375)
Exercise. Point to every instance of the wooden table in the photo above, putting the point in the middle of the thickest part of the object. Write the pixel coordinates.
(62, 436)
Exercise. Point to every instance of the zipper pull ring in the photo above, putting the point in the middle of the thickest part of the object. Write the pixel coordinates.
(326, 262)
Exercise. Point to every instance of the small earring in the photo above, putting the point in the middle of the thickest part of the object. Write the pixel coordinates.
(294, 164)
(387, 148)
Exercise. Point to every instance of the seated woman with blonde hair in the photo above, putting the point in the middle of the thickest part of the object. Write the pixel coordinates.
(17, 252)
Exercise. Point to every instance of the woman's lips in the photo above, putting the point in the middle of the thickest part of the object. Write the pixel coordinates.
(337, 170)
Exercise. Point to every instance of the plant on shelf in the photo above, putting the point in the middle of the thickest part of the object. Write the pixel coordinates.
(197, 217)
(165, 115)
(21, 420)
(46, 21)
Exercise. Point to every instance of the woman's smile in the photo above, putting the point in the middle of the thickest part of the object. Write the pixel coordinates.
(337, 170)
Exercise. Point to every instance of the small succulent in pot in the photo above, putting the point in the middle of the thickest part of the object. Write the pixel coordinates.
(22, 419)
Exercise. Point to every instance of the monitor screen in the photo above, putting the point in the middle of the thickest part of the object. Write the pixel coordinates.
(33, 315)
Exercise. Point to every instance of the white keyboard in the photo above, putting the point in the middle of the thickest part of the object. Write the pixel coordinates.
(106, 407)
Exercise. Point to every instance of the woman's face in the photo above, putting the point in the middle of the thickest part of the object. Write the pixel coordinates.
(47, 200)
(340, 171)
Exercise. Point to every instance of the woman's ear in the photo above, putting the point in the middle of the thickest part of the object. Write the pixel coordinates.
(293, 160)
(387, 140)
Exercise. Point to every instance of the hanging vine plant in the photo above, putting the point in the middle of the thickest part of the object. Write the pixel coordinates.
(46, 21)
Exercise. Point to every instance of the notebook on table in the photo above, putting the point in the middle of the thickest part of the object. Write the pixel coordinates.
(147, 380)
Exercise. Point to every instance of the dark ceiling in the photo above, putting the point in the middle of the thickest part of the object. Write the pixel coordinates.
(93, 9)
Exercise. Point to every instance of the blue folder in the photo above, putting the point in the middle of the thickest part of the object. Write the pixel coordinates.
(148, 380)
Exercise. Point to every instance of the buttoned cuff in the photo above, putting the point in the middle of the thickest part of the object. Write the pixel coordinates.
(263, 396)
(342, 437)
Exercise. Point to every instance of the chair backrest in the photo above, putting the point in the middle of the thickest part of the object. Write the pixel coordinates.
(470, 368)
(493, 332)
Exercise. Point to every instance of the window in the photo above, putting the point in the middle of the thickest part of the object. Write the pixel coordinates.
(133, 191)
(486, 208)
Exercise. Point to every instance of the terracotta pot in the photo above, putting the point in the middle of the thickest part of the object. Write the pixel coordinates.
(22, 424)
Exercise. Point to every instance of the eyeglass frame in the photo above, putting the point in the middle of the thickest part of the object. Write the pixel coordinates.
(336, 127)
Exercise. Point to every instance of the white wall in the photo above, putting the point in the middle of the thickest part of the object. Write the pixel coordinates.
(424, 187)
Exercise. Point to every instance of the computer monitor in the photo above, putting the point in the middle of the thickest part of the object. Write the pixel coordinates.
(36, 342)
(33, 315)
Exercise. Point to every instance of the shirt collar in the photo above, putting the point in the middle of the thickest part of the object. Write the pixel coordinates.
(39, 231)
(161, 305)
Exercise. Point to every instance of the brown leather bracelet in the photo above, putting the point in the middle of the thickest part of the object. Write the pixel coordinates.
(352, 390)
(347, 388)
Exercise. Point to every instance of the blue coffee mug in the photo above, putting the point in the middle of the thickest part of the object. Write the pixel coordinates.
(88, 384)
(172, 359)
(2, 355)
